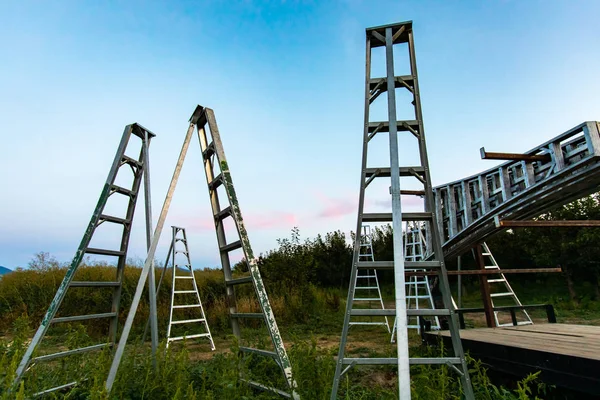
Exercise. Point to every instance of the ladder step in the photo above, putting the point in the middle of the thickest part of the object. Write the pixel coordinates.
(367, 299)
(224, 213)
(187, 306)
(94, 284)
(367, 323)
(82, 317)
(130, 161)
(423, 312)
(385, 172)
(502, 294)
(122, 190)
(394, 361)
(385, 126)
(104, 252)
(387, 217)
(210, 150)
(496, 280)
(390, 264)
(232, 246)
(116, 220)
(239, 281)
(216, 182)
(182, 265)
(56, 389)
(266, 388)
(187, 321)
(183, 277)
(264, 353)
(197, 335)
(66, 353)
(366, 287)
(246, 315)
(184, 291)
(374, 82)
(486, 254)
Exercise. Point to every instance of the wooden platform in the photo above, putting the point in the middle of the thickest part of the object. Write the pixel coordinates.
(567, 355)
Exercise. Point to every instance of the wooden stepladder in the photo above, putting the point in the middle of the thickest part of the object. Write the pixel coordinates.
(392, 37)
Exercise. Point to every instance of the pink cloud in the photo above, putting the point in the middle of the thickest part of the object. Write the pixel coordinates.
(335, 207)
(272, 220)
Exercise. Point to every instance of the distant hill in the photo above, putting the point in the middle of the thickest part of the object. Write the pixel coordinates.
(4, 270)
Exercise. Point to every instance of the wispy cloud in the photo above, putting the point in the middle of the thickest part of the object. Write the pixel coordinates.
(273, 220)
(335, 207)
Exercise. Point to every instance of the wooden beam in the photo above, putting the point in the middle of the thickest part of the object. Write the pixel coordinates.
(486, 272)
(485, 155)
(545, 224)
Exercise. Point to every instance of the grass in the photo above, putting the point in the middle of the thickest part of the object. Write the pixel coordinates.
(310, 320)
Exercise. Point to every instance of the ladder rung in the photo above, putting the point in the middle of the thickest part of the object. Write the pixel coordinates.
(55, 389)
(184, 291)
(366, 276)
(94, 284)
(366, 323)
(373, 82)
(216, 182)
(387, 217)
(210, 150)
(186, 306)
(504, 294)
(367, 299)
(391, 361)
(385, 172)
(121, 190)
(246, 315)
(187, 321)
(366, 287)
(232, 246)
(266, 388)
(390, 264)
(130, 161)
(417, 297)
(104, 252)
(224, 213)
(239, 281)
(183, 277)
(82, 317)
(385, 126)
(65, 353)
(197, 335)
(496, 280)
(264, 353)
(116, 220)
(491, 267)
(486, 254)
(182, 265)
(423, 312)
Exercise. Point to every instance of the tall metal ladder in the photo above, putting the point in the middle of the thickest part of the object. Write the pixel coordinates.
(184, 274)
(388, 36)
(218, 174)
(417, 287)
(366, 280)
(501, 289)
(140, 167)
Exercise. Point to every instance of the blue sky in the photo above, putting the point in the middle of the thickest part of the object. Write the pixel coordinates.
(286, 81)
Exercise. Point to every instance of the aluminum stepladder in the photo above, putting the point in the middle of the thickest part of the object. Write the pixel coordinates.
(418, 288)
(184, 291)
(367, 281)
(140, 168)
(217, 175)
(389, 36)
(501, 289)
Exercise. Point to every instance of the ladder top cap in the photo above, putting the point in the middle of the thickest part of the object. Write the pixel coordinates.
(139, 130)
(403, 38)
(197, 114)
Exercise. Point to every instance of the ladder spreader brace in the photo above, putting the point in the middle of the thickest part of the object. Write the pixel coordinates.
(387, 36)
